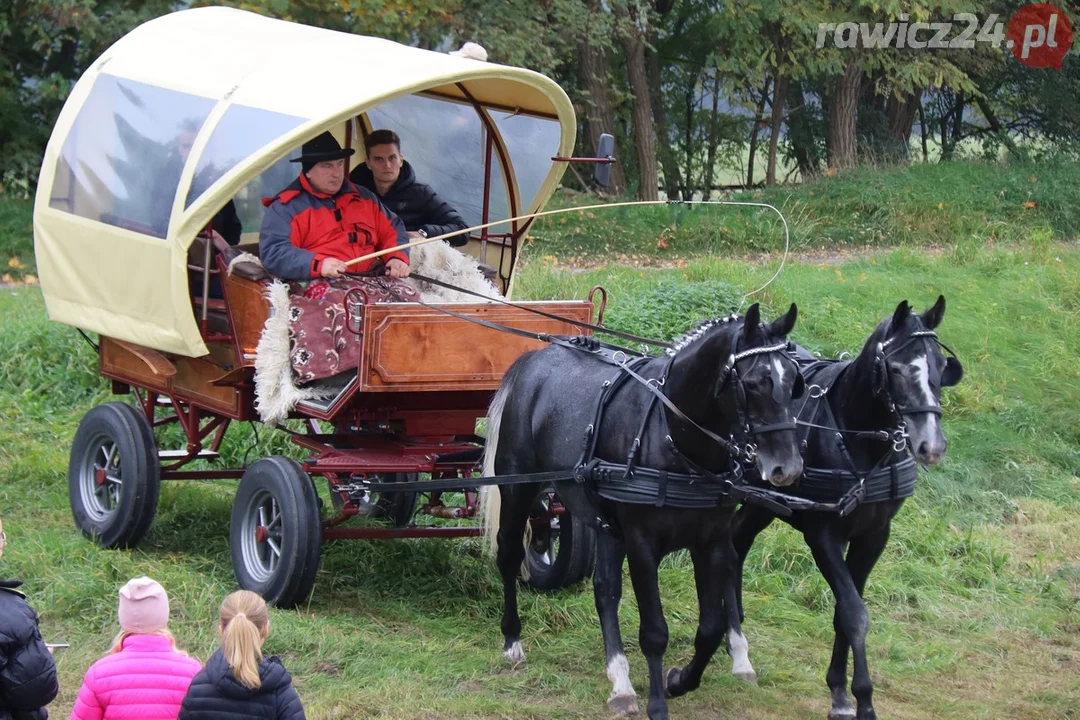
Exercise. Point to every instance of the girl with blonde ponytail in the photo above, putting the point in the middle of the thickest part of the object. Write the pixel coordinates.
(238, 680)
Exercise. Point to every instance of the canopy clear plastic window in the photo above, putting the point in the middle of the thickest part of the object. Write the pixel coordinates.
(444, 143)
(241, 131)
(532, 142)
(270, 182)
(122, 159)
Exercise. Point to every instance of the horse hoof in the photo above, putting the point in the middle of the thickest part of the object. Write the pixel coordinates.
(671, 679)
(515, 655)
(749, 677)
(623, 705)
(842, 713)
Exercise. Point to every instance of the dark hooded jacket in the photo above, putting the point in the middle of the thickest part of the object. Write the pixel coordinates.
(418, 206)
(215, 694)
(27, 673)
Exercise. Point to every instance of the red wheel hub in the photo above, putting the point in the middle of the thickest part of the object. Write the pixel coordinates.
(261, 534)
(99, 476)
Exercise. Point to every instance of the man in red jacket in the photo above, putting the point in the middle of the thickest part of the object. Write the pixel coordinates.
(322, 220)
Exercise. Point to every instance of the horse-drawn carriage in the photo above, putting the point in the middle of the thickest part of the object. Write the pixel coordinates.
(201, 108)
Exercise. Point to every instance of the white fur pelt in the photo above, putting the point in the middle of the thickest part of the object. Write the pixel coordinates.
(440, 261)
(276, 394)
(242, 258)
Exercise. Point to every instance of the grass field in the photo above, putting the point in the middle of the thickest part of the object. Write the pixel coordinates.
(975, 606)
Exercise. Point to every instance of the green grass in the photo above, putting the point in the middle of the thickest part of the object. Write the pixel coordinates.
(974, 606)
(16, 236)
(916, 206)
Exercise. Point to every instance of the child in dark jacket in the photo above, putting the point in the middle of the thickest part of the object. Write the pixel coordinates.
(238, 682)
(27, 673)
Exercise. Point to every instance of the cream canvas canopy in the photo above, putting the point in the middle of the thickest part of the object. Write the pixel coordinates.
(184, 112)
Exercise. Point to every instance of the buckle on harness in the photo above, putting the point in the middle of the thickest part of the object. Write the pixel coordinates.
(899, 438)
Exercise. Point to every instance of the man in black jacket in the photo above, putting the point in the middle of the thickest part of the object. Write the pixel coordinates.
(27, 672)
(387, 174)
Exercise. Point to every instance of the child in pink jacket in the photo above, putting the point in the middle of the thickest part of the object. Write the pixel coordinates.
(144, 676)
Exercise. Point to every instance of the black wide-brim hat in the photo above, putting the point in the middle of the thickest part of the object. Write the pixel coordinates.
(322, 148)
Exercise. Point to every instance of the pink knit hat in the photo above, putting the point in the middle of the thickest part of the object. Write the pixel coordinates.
(144, 606)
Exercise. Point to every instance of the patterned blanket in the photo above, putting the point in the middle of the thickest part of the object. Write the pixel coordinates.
(321, 342)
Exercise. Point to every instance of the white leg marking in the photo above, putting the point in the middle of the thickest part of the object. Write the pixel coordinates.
(515, 654)
(618, 672)
(740, 659)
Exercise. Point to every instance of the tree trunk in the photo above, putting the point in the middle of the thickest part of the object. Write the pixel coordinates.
(688, 144)
(995, 127)
(800, 132)
(843, 110)
(668, 162)
(633, 39)
(958, 118)
(779, 100)
(714, 126)
(922, 132)
(759, 114)
(900, 113)
(599, 115)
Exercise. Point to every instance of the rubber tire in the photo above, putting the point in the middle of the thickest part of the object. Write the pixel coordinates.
(575, 559)
(140, 472)
(398, 507)
(301, 546)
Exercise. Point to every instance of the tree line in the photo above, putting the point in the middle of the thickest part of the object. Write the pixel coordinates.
(698, 93)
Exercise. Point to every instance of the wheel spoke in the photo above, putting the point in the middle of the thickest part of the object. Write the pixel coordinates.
(274, 547)
(262, 516)
(114, 480)
(110, 457)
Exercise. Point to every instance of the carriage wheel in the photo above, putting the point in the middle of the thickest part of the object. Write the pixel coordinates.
(562, 548)
(275, 533)
(114, 476)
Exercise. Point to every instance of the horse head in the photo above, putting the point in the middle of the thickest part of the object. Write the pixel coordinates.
(749, 383)
(909, 369)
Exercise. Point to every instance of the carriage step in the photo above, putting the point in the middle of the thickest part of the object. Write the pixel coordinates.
(177, 454)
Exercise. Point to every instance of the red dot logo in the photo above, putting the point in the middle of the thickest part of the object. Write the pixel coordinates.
(1039, 35)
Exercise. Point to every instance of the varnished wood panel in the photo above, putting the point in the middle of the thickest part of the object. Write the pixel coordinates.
(192, 380)
(122, 364)
(410, 347)
(248, 311)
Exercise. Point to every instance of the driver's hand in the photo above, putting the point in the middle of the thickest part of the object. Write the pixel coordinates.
(333, 268)
(395, 268)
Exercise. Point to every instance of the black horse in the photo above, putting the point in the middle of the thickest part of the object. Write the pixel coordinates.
(727, 392)
(862, 419)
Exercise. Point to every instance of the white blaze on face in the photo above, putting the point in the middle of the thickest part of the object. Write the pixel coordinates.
(779, 368)
(921, 369)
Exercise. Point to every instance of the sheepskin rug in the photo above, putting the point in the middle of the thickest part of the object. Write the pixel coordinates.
(276, 394)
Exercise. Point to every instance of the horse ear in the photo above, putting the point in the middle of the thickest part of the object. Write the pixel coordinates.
(783, 325)
(751, 321)
(903, 310)
(932, 317)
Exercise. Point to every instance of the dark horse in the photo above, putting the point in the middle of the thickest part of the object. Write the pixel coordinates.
(560, 407)
(863, 418)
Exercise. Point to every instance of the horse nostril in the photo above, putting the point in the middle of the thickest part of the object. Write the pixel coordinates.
(924, 450)
(778, 471)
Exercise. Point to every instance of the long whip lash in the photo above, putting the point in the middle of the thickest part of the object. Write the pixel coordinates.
(559, 211)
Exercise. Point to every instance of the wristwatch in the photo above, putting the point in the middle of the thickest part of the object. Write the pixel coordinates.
(422, 233)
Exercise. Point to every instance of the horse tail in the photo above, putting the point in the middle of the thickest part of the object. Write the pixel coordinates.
(490, 496)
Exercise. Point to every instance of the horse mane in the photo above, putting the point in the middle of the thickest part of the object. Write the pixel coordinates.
(699, 331)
